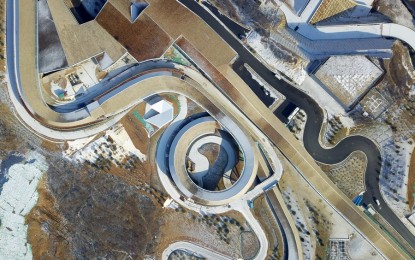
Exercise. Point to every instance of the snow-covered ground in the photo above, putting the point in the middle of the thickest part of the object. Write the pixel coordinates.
(308, 243)
(329, 132)
(394, 177)
(17, 198)
(269, 90)
(297, 125)
(114, 145)
(266, 52)
(325, 100)
(296, 5)
(348, 76)
(396, 11)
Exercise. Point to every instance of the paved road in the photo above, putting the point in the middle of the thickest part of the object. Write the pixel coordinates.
(195, 87)
(135, 93)
(313, 124)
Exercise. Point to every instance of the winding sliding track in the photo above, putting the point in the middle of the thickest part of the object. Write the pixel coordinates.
(177, 163)
(314, 123)
(49, 123)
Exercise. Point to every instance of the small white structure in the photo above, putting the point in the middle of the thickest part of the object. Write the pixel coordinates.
(158, 112)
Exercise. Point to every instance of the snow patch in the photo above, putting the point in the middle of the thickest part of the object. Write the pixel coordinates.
(17, 198)
(263, 49)
(325, 100)
(347, 121)
(394, 177)
(114, 145)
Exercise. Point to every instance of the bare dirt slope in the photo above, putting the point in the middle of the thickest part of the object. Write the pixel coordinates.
(103, 217)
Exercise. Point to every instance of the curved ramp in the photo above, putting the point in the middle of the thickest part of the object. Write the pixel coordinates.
(177, 162)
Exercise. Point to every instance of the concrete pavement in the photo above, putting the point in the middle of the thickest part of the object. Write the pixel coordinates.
(193, 249)
(246, 100)
(270, 126)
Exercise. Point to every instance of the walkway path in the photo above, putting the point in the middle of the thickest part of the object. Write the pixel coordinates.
(202, 166)
(196, 85)
(193, 249)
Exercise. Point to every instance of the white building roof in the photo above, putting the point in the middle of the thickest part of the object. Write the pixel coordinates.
(348, 77)
(158, 112)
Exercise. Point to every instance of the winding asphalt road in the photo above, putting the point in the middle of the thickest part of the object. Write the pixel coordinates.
(313, 125)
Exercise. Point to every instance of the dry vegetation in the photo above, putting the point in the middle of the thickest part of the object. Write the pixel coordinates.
(297, 125)
(226, 233)
(7, 132)
(395, 86)
(334, 131)
(219, 232)
(108, 211)
(83, 212)
(135, 128)
(211, 151)
(315, 220)
(184, 255)
(311, 215)
(348, 175)
(47, 230)
(93, 214)
(268, 222)
(245, 12)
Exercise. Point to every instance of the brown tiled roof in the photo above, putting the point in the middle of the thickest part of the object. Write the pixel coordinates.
(143, 39)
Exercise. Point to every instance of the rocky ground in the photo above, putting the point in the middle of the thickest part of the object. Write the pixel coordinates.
(94, 214)
(393, 130)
